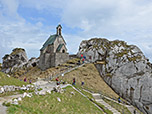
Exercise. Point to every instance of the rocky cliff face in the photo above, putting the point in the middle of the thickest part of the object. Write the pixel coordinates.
(124, 68)
(17, 60)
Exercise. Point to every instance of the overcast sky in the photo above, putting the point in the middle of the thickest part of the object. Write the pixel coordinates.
(28, 23)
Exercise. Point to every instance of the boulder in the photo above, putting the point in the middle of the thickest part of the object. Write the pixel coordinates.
(48, 91)
(24, 88)
(8, 75)
(15, 101)
(19, 99)
(58, 89)
(58, 99)
(29, 95)
(24, 94)
(2, 90)
(72, 93)
(42, 92)
(124, 68)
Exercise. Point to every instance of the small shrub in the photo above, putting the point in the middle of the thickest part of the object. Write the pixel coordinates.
(7, 104)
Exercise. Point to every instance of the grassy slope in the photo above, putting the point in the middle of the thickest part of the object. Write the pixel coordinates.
(4, 80)
(70, 104)
(34, 72)
(89, 74)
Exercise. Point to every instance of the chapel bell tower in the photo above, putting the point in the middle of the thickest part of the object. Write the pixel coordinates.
(59, 28)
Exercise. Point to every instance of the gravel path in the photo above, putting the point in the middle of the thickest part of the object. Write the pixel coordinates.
(6, 98)
(45, 85)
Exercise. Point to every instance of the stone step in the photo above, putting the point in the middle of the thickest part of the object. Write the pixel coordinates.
(96, 95)
(98, 99)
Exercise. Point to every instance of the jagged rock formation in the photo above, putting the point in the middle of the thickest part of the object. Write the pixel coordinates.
(124, 68)
(17, 60)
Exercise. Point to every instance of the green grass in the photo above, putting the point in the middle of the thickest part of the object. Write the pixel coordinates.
(103, 108)
(89, 95)
(48, 104)
(4, 80)
(122, 109)
(80, 88)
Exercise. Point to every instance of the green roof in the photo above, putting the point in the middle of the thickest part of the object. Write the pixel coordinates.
(59, 47)
(50, 41)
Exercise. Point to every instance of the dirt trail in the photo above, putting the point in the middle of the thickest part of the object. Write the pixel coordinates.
(6, 98)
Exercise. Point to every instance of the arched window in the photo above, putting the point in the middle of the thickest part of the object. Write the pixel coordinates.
(63, 51)
(59, 31)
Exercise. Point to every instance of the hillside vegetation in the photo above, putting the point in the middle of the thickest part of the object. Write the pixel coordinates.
(91, 78)
(70, 104)
(5, 80)
(33, 73)
(88, 74)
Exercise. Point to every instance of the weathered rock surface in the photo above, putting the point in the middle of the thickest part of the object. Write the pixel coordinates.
(17, 60)
(124, 68)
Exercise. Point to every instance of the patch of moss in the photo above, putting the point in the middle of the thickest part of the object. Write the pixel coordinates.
(109, 75)
(134, 58)
(149, 64)
(118, 43)
(122, 53)
(96, 46)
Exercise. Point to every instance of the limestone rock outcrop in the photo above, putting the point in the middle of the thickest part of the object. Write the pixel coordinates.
(17, 60)
(124, 68)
